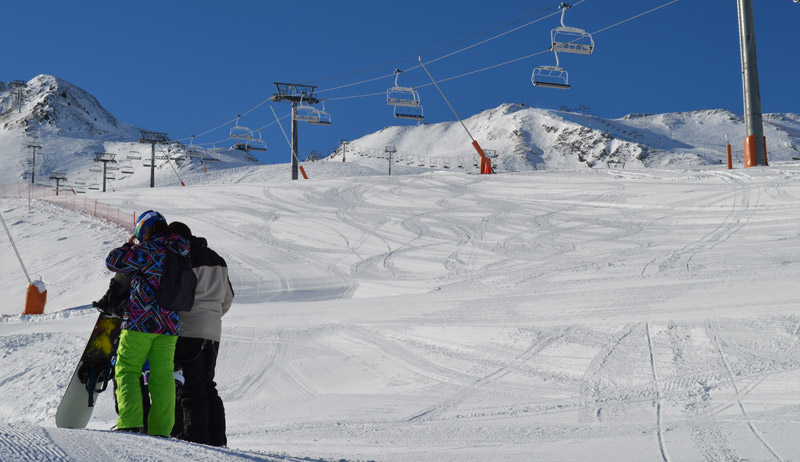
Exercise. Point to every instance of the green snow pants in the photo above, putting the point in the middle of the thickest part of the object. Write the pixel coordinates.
(134, 348)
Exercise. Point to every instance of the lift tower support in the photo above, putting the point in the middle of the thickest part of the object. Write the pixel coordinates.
(755, 144)
(59, 177)
(153, 138)
(295, 93)
(34, 146)
(105, 158)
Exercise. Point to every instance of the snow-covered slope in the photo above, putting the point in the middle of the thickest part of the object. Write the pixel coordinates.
(597, 314)
(522, 138)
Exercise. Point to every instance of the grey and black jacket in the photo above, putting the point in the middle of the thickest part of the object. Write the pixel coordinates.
(213, 296)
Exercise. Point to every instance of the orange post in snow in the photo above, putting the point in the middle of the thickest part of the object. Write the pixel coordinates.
(750, 151)
(303, 171)
(730, 157)
(35, 298)
(36, 295)
(485, 164)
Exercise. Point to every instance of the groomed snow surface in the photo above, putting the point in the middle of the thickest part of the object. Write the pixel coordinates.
(613, 315)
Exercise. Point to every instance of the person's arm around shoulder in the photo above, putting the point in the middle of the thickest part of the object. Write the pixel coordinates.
(124, 259)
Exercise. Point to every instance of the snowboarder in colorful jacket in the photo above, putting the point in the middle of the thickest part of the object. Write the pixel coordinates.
(148, 330)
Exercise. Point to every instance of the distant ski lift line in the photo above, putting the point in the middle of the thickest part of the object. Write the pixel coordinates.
(467, 73)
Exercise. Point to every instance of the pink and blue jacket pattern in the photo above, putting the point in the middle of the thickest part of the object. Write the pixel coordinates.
(144, 260)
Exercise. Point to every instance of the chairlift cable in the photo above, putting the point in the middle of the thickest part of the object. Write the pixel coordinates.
(451, 54)
(224, 124)
(512, 60)
(498, 25)
(634, 17)
(388, 75)
(491, 38)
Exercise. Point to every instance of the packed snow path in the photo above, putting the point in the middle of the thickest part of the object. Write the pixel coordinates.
(599, 315)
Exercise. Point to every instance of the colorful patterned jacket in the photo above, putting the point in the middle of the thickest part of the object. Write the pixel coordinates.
(144, 260)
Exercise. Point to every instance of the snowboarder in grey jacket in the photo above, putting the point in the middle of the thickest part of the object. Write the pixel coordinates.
(199, 412)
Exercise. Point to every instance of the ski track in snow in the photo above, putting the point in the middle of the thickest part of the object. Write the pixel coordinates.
(451, 317)
(657, 385)
(713, 329)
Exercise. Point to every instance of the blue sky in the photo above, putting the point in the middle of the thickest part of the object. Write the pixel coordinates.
(186, 67)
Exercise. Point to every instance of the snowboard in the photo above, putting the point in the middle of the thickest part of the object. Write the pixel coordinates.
(92, 375)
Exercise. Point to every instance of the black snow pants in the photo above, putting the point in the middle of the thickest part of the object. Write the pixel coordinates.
(199, 412)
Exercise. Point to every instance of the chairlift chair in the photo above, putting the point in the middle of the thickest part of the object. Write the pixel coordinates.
(401, 96)
(239, 132)
(550, 76)
(258, 143)
(305, 113)
(407, 112)
(323, 117)
(570, 39)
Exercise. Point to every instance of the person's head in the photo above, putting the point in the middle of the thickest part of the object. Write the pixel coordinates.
(180, 229)
(149, 224)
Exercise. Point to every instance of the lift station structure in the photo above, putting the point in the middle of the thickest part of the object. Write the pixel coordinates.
(297, 94)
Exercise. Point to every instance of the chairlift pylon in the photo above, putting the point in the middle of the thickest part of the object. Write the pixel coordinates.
(570, 39)
(550, 76)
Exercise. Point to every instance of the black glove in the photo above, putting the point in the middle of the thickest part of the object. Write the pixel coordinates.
(113, 301)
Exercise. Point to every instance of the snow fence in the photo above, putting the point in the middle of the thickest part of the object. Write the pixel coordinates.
(70, 199)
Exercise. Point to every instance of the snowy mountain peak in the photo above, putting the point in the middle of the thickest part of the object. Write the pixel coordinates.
(49, 104)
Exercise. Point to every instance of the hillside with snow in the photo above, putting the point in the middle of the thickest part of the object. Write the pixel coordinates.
(614, 293)
(521, 138)
(72, 127)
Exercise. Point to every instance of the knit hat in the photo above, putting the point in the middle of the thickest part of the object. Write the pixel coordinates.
(145, 221)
